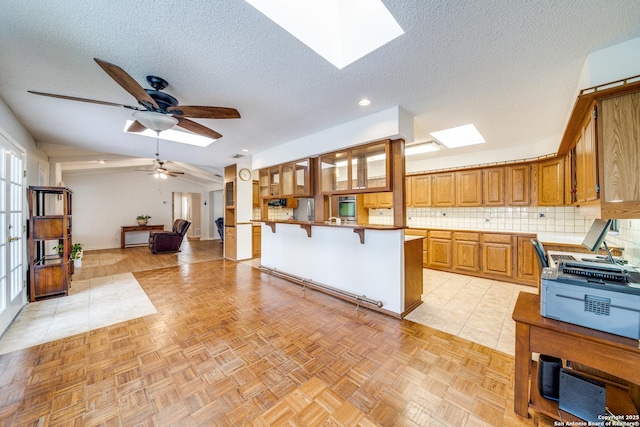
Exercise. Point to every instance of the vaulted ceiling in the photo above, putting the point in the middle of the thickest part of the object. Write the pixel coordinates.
(509, 67)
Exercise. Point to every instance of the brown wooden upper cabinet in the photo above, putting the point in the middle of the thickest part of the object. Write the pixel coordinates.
(469, 188)
(421, 191)
(362, 169)
(443, 189)
(287, 180)
(493, 186)
(585, 175)
(518, 184)
(619, 132)
(551, 182)
(610, 139)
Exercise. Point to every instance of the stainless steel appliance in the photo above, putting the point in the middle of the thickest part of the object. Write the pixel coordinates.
(347, 210)
(305, 210)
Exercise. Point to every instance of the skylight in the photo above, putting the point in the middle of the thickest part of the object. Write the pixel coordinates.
(340, 31)
(175, 136)
(460, 136)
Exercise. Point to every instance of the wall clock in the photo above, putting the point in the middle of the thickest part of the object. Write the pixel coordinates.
(244, 174)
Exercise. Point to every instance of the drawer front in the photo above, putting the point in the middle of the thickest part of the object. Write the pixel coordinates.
(497, 238)
(439, 234)
(471, 237)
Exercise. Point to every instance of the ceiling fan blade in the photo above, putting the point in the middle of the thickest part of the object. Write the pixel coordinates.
(198, 128)
(73, 98)
(206, 112)
(127, 82)
(136, 126)
(176, 172)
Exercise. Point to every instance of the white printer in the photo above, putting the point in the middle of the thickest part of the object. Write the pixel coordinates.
(605, 297)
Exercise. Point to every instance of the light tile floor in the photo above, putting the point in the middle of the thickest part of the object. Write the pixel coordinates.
(91, 304)
(470, 307)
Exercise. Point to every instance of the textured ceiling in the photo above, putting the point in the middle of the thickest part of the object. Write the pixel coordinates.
(509, 67)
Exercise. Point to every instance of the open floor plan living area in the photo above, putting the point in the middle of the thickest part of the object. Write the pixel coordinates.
(230, 345)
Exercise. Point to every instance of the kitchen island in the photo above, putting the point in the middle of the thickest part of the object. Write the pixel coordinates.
(373, 265)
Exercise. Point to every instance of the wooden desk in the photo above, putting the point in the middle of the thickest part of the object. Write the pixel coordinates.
(609, 353)
(127, 228)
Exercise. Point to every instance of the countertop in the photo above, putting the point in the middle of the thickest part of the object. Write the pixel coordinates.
(326, 224)
(543, 236)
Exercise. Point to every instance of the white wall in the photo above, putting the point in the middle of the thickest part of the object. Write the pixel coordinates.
(390, 123)
(102, 203)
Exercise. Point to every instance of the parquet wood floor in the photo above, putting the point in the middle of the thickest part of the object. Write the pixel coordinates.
(231, 346)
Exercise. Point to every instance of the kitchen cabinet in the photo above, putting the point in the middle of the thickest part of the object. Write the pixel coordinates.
(551, 182)
(518, 185)
(617, 144)
(362, 169)
(287, 180)
(443, 189)
(493, 255)
(408, 191)
(527, 266)
(377, 200)
(230, 212)
(256, 242)
(255, 194)
(230, 244)
(466, 251)
(497, 254)
(440, 252)
(469, 188)
(586, 166)
(421, 191)
(49, 274)
(619, 151)
(493, 186)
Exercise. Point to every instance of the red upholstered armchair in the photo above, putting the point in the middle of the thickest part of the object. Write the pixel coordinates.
(169, 241)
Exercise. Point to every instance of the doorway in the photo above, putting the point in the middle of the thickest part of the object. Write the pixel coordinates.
(12, 232)
(187, 206)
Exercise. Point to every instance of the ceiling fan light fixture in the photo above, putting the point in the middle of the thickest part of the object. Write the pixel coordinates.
(155, 121)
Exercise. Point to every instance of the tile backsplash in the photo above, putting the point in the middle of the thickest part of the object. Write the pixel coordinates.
(529, 219)
(562, 219)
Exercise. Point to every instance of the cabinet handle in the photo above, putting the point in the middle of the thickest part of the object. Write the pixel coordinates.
(12, 239)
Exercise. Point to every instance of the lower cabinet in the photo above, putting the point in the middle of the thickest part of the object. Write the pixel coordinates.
(230, 243)
(497, 254)
(440, 249)
(466, 250)
(256, 242)
(501, 256)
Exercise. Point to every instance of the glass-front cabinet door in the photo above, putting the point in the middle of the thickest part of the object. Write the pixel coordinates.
(303, 181)
(335, 172)
(369, 166)
(274, 181)
(263, 179)
(357, 170)
(288, 179)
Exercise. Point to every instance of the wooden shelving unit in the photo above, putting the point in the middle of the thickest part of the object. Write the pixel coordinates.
(50, 224)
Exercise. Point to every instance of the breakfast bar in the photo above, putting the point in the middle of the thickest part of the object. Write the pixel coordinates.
(373, 261)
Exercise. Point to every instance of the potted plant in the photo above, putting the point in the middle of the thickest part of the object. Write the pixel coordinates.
(76, 255)
(142, 219)
(59, 248)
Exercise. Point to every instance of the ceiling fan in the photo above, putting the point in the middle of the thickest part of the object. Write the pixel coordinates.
(157, 110)
(159, 171)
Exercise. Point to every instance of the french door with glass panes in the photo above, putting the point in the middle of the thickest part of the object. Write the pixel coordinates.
(12, 233)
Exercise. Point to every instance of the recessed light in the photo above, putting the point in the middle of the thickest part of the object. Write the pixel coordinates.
(245, 150)
(102, 162)
(460, 136)
(364, 102)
